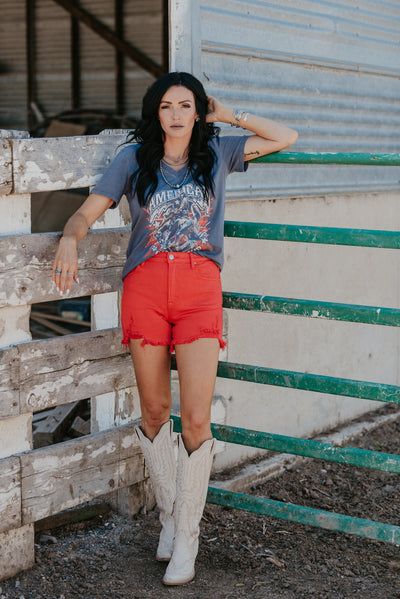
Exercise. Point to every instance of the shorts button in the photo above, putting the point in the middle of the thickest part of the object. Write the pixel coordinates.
(171, 257)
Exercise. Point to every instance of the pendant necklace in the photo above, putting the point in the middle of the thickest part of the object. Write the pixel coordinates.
(171, 184)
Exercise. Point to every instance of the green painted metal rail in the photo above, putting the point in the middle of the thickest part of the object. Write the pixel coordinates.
(305, 515)
(309, 382)
(351, 456)
(305, 381)
(312, 309)
(324, 235)
(345, 158)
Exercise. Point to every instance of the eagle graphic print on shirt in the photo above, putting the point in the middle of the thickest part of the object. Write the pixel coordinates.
(178, 220)
(174, 219)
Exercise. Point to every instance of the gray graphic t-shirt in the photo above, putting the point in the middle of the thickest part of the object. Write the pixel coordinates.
(174, 220)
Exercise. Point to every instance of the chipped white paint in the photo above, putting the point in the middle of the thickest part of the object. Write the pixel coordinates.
(108, 448)
(47, 390)
(43, 463)
(44, 164)
(129, 441)
(14, 325)
(17, 546)
(17, 551)
(61, 476)
(10, 494)
(5, 167)
(15, 435)
(110, 409)
(119, 407)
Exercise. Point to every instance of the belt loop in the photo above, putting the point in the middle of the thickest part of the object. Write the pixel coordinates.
(192, 260)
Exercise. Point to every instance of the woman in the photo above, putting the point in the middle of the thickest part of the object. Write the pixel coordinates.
(174, 179)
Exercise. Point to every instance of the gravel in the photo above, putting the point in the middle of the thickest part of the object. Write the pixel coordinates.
(242, 555)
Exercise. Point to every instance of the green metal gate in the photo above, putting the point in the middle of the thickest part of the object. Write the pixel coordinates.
(311, 382)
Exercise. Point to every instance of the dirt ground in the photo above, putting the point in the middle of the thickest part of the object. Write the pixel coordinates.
(242, 555)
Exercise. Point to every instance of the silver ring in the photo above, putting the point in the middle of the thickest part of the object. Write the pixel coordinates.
(58, 272)
(70, 274)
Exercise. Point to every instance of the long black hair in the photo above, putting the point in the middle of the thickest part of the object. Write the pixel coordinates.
(150, 136)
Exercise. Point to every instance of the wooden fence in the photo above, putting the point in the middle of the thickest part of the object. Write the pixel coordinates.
(40, 374)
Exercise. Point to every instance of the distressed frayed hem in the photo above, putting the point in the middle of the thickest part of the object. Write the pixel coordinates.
(205, 334)
(128, 337)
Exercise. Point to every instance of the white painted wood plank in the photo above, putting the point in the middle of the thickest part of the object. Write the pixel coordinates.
(61, 476)
(17, 550)
(5, 167)
(46, 373)
(61, 370)
(47, 163)
(9, 382)
(26, 263)
(118, 407)
(15, 435)
(10, 494)
(16, 545)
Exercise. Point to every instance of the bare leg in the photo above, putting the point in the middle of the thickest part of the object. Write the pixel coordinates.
(152, 369)
(197, 368)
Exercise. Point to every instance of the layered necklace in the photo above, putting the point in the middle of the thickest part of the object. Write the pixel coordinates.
(172, 162)
(175, 162)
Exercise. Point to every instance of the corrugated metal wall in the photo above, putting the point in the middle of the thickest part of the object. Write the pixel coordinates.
(143, 28)
(330, 69)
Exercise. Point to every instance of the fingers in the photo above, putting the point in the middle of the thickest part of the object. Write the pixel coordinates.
(63, 276)
(65, 266)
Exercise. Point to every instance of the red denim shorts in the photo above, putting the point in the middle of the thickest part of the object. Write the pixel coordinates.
(172, 298)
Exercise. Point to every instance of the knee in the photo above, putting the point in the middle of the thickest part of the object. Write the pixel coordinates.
(155, 413)
(195, 430)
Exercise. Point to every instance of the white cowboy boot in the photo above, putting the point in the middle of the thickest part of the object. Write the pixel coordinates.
(191, 491)
(160, 461)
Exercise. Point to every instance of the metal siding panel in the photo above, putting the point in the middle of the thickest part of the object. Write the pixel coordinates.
(326, 68)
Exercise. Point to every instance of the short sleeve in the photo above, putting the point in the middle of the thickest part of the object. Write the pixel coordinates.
(115, 181)
(231, 150)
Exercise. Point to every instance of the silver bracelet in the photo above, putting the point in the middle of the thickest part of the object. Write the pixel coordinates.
(238, 116)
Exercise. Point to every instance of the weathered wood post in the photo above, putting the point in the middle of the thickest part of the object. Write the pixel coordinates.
(118, 407)
(17, 544)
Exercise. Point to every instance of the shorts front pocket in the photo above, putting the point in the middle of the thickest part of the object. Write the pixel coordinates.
(206, 269)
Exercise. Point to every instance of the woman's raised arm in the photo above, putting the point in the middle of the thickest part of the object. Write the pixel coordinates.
(65, 265)
(269, 137)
